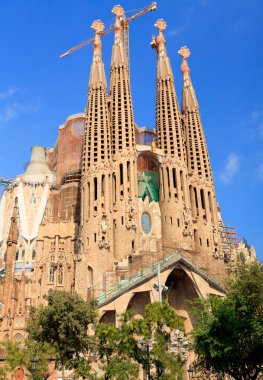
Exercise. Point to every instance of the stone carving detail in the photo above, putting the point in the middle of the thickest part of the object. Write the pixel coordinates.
(186, 216)
(104, 243)
(215, 236)
(104, 224)
(131, 222)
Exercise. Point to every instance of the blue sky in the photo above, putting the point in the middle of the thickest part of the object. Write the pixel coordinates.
(38, 91)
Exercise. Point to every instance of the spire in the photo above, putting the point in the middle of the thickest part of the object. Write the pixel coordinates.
(97, 73)
(122, 119)
(96, 148)
(198, 158)
(170, 138)
(125, 188)
(164, 70)
(118, 54)
(168, 117)
(189, 101)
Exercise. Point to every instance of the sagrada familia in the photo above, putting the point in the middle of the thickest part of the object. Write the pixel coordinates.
(111, 203)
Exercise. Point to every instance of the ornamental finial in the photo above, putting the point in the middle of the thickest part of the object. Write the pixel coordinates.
(160, 25)
(184, 52)
(98, 26)
(118, 11)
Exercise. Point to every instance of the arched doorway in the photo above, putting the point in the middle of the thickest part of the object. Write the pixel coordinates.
(180, 291)
(138, 302)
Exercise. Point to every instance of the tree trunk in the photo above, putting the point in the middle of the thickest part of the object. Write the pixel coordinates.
(63, 372)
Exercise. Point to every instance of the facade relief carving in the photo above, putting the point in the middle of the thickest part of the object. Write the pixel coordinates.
(186, 216)
(104, 242)
(131, 216)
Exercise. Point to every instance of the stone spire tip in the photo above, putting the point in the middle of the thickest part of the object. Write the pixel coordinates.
(160, 25)
(98, 26)
(118, 11)
(184, 52)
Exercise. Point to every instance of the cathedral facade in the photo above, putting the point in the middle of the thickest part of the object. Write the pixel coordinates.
(110, 203)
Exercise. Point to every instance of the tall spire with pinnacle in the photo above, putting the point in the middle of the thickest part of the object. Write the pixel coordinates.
(174, 200)
(96, 234)
(125, 188)
(122, 119)
(202, 193)
(168, 116)
(198, 158)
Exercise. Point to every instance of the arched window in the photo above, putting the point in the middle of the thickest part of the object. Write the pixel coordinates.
(90, 276)
(18, 339)
(60, 274)
(51, 273)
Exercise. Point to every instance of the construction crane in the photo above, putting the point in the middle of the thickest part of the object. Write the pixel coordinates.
(125, 22)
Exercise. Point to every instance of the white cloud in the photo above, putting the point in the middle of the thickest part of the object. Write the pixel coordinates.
(14, 109)
(8, 93)
(255, 123)
(176, 31)
(230, 169)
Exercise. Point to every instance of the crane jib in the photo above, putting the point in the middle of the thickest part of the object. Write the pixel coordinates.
(125, 22)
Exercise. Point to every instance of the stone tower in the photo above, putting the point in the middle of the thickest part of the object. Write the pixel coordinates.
(201, 187)
(124, 180)
(96, 236)
(174, 199)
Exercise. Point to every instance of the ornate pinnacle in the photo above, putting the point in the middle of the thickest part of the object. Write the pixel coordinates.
(159, 42)
(98, 26)
(184, 52)
(118, 11)
(160, 25)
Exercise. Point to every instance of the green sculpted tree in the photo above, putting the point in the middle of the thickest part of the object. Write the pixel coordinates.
(63, 324)
(228, 336)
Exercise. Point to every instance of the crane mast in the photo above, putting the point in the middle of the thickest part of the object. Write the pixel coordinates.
(125, 23)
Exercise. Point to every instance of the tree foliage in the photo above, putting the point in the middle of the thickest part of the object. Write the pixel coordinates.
(63, 324)
(228, 336)
(140, 342)
(17, 355)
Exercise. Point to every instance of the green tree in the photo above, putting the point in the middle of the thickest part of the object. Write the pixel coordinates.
(228, 336)
(116, 348)
(140, 342)
(63, 324)
(17, 355)
(155, 330)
